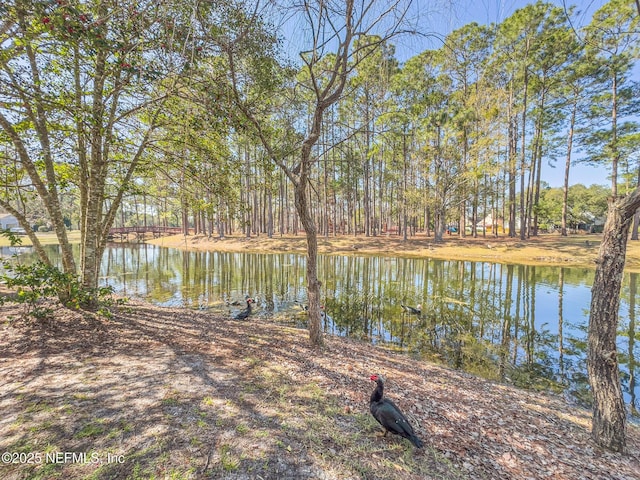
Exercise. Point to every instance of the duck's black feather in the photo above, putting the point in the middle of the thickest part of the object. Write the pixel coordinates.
(389, 415)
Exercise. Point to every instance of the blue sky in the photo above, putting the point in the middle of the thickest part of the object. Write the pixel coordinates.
(440, 17)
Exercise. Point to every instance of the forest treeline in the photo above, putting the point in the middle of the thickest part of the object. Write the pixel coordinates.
(179, 114)
(453, 136)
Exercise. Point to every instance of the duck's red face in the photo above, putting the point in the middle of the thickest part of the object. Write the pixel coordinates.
(373, 378)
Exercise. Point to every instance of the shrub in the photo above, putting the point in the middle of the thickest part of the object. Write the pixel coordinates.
(39, 281)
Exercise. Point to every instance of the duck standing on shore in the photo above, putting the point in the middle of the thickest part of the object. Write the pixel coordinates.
(389, 415)
(244, 314)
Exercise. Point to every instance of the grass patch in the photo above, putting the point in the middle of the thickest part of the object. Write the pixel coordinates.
(46, 425)
(45, 238)
(46, 471)
(242, 429)
(93, 429)
(252, 362)
(120, 430)
(83, 397)
(171, 399)
(38, 406)
(229, 461)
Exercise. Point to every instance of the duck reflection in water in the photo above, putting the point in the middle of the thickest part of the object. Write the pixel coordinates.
(417, 310)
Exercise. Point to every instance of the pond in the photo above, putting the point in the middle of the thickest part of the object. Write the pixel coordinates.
(522, 324)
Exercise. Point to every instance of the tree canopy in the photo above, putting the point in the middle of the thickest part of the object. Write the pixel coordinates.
(105, 105)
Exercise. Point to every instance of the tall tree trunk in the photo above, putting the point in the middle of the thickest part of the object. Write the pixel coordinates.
(367, 168)
(513, 169)
(269, 213)
(247, 193)
(313, 285)
(567, 166)
(283, 205)
(631, 335)
(614, 140)
(536, 192)
(523, 156)
(404, 186)
(184, 203)
(609, 415)
(537, 163)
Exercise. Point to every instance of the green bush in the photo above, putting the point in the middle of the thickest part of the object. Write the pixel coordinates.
(38, 281)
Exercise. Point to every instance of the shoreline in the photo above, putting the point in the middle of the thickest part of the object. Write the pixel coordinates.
(576, 250)
(546, 250)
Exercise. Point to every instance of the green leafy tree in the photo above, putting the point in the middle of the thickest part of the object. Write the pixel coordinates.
(515, 42)
(425, 122)
(84, 86)
(194, 156)
(254, 75)
(554, 52)
(585, 205)
(575, 80)
(367, 91)
(402, 123)
(612, 44)
(464, 55)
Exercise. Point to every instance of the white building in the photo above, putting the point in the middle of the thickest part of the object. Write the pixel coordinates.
(8, 221)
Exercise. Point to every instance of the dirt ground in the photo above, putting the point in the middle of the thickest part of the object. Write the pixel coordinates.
(550, 249)
(169, 393)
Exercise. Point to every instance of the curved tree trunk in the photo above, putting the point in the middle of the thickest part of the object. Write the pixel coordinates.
(609, 415)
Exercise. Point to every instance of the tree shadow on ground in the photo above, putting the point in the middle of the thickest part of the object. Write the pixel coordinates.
(175, 393)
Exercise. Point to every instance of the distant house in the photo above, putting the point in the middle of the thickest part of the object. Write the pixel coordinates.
(500, 224)
(593, 224)
(8, 221)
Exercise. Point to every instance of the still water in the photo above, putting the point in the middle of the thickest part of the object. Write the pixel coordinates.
(522, 324)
